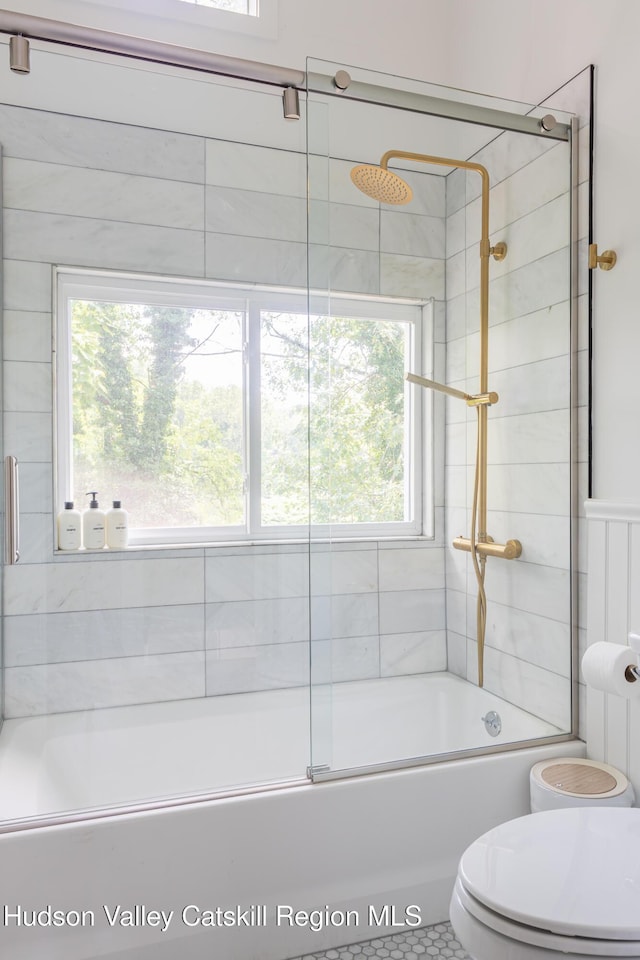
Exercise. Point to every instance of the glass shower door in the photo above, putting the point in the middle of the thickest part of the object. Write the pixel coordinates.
(175, 260)
(394, 612)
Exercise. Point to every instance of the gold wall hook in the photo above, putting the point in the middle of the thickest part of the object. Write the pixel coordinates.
(606, 260)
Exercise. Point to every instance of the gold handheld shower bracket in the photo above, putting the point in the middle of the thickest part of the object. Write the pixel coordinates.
(479, 399)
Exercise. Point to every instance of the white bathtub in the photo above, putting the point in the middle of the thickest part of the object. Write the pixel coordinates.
(390, 839)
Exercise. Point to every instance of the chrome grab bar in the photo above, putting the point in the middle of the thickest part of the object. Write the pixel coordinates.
(11, 511)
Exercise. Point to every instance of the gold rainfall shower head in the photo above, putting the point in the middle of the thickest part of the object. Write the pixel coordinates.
(381, 184)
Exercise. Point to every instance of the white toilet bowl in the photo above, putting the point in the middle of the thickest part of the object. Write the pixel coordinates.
(560, 883)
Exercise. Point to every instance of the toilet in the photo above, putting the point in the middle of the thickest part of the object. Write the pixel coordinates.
(561, 882)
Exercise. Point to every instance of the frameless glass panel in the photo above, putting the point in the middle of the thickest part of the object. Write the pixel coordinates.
(144, 673)
(398, 635)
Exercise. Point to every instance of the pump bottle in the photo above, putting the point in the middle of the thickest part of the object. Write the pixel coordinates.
(93, 525)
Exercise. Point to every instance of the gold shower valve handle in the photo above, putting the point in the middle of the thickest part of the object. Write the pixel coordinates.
(510, 550)
(606, 260)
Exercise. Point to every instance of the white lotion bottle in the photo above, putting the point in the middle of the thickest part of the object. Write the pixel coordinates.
(93, 525)
(69, 527)
(117, 526)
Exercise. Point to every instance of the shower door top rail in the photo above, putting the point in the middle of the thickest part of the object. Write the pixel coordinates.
(157, 51)
(436, 106)
(170, 54)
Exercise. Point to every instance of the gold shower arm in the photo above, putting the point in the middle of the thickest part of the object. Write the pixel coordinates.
(471, 401)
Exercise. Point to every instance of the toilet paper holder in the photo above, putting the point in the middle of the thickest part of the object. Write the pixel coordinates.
(632, 673)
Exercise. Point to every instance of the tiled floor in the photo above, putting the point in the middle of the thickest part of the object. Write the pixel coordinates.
(426, 943)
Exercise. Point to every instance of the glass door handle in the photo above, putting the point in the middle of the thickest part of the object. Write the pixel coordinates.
(11, 510)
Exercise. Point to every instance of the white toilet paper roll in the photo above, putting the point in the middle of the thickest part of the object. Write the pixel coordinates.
(604, 665)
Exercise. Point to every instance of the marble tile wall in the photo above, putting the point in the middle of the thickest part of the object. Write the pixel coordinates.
(528, 636)
(88, 632)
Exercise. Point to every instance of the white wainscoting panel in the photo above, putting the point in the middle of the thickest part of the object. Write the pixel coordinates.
(613, 610)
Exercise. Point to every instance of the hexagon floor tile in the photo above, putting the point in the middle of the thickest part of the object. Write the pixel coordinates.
(424, 943)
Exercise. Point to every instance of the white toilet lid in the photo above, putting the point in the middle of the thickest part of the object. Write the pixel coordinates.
(575, 872)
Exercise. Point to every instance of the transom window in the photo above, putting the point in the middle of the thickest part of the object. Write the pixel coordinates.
(224, 412)
(249, 7)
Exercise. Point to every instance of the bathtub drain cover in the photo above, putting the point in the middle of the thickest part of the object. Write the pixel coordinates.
(492, 723)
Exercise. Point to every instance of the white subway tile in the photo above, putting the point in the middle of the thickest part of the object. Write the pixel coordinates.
(95, 585)
(102, 195)
(83, 142)
(344, 269)
(27, 436)
(101, 634)
(27, 286)
(27, 386)
(540, 488)
(256, 577)
(344, 571)
(56, 238)
(527, 635)
(264, 667)
(344, 615)
(545, 591)
(420, 652)
(249, 623)
(529, 338)
(27, 336)
(255, 260)
(533, 387)
(247, 213)
(544, 694)
(411, 569)
(409, 611)
(411, 234)
(545, 539)
(350, 658)
(529, 438)
(529, 288)
(457, 654)
(95, 684)
(344, 226)
(411, 276)
(245, 166)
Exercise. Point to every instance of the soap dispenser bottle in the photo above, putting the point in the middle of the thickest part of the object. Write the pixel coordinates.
(69, 528)
(93, 525)
(117, 526)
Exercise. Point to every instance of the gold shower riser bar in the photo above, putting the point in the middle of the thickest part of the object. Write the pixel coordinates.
(510, 550)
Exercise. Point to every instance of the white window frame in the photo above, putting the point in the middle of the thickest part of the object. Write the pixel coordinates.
(253, 299)
(260, 21)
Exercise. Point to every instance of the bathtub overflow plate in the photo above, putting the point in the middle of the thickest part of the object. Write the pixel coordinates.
(492, 723)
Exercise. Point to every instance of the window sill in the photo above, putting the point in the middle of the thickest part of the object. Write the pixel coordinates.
(189, 549)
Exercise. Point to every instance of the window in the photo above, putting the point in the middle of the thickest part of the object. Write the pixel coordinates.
(249, 7)
(256, 17)
(217, 412)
